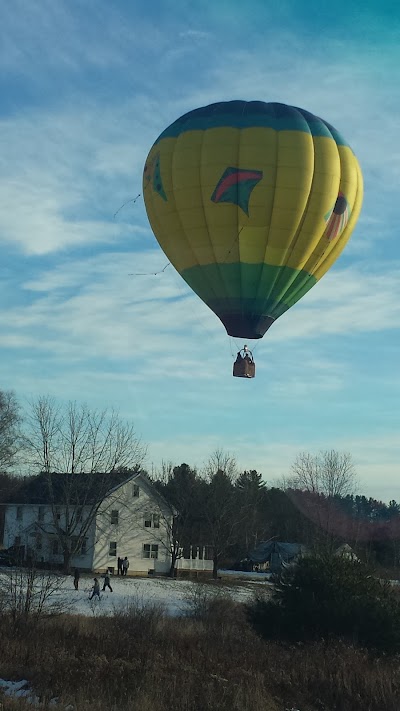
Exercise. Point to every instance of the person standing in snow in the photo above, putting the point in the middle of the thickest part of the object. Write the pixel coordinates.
(125, 566)
(77, 575)
(119, 566)
(107, 581)
(95, 589)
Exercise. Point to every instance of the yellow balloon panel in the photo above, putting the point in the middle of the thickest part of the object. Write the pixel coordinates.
(287, 206)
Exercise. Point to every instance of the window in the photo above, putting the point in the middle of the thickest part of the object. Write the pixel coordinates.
(19, 513)
(135, 491)
(41, 513)
(84, 547)
(38, 542)
(112, 550)
(150, 550)
(114, 517)
(152, 520)
(54, 547)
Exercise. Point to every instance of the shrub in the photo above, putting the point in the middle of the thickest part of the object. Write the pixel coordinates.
(200, 597)
(327, 597)
(29, 594)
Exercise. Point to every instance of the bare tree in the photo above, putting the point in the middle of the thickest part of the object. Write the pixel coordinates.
(220, 461)
(81, 454)
(9, 429)
(76, 439)
(31, 593)
(324, 478)
(330, 473)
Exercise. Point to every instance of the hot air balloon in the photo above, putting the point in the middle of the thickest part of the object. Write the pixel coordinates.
(252, 203)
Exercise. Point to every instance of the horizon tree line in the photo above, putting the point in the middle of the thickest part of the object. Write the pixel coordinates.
(217, 505)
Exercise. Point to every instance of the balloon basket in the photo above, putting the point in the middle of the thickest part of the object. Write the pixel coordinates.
(244, 365)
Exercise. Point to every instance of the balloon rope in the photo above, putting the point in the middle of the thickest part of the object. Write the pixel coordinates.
(127, 203)
(232, 245)
(167, 265)
(150, 273)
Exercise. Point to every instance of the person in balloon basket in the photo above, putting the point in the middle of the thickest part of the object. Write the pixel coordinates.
(95, 590)
(248, 356)
(106, 583)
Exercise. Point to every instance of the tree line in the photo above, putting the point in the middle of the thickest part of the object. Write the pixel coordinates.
(217, 506)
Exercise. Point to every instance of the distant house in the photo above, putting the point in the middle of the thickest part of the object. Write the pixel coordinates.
(272, 556)
(102, 517)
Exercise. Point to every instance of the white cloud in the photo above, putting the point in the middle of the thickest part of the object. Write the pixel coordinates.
(65, 172)
(96, 297)
(346, 301)
(37, 36)
(195, 35)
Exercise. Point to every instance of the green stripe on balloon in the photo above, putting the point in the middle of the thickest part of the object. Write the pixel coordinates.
(248, 290)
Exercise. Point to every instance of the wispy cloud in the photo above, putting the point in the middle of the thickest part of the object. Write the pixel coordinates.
(61, 182)
(195, 35)
(94, 305)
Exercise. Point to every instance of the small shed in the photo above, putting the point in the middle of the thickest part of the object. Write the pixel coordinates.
(346, 551)
(275, 555)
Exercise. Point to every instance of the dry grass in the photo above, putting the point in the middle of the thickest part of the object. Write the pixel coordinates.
(142, 660)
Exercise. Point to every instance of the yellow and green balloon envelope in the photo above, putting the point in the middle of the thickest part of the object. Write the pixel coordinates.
(252, 202)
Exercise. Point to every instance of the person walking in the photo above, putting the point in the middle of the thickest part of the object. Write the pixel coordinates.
(125, 566)
(95, 590)
(107, 581)
(77, 575)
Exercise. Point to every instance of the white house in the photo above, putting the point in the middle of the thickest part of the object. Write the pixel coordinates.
(102, 517)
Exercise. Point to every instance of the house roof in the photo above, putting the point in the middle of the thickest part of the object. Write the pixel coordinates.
(276, 552)
(76, 489)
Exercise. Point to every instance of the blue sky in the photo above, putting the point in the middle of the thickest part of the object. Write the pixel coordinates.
(86, 87)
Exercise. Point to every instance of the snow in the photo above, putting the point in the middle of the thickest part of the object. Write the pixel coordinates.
(19, 689)
(259, 576)
(175, 596)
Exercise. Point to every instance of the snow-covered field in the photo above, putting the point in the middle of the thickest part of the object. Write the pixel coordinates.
(176, 597)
